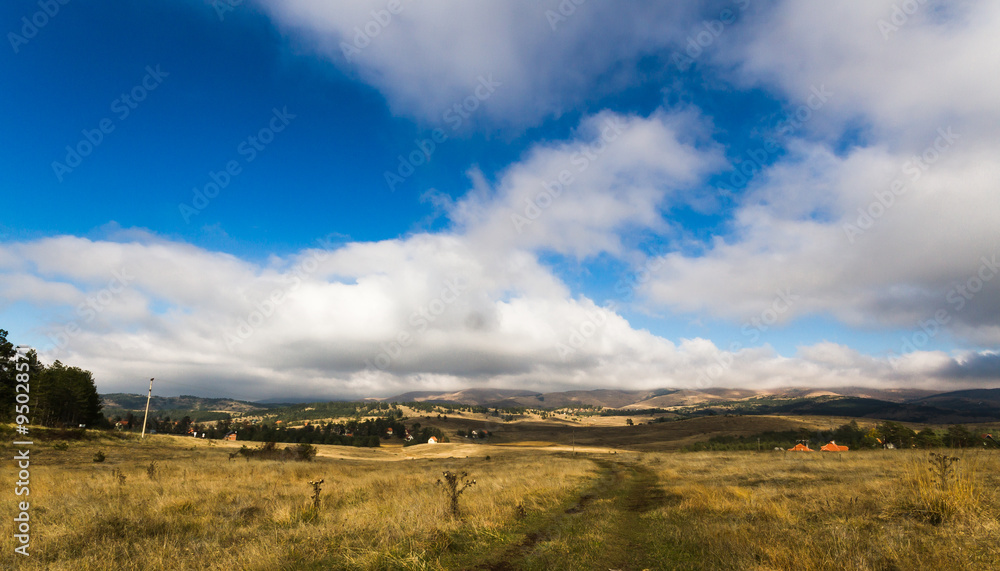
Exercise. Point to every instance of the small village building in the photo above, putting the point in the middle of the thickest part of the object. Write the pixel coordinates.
(432, 440)
(230, 436)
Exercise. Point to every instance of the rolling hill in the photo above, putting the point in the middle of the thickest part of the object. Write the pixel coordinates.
(964, 406)
(659, 398)
(911, 405)
(128, 401)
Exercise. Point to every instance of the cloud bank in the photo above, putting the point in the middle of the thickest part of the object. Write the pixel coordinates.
(878, 211)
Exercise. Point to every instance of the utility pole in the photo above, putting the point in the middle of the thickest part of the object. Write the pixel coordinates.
(149, 396)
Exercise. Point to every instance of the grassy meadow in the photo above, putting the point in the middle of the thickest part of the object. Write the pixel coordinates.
(179, 503)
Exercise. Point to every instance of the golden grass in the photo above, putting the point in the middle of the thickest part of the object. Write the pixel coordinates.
(862, 510)
(380, 509)
(203, 511)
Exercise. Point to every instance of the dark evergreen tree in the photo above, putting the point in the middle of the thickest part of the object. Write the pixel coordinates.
(927, 438)
(958, 436)
(66, 396)
(7, 377)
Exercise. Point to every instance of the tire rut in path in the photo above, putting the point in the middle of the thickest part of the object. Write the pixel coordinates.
(635, 488)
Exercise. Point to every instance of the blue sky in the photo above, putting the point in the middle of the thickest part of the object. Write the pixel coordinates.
(719, 222)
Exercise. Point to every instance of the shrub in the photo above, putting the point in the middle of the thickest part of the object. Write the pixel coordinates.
(305, 453)
(270, 451)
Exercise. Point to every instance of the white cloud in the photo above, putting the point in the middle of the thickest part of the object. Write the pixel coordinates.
(576, 198)
(33, 289)
(906, 74)
(467, 319)
(429, 56)
(473, 305)
(884, 231)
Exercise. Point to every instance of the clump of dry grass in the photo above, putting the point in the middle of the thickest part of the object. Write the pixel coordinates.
(943, 491)
(118, 476)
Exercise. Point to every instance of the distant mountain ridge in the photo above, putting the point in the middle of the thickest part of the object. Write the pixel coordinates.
(907, 405)
(466, 396)
(639, 399)
(129, 401)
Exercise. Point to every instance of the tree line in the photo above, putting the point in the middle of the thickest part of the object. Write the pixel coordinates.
(60, 395)
(360, 433)
(851, 435)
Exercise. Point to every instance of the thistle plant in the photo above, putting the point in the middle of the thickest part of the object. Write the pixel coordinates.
(942, 467)
(316, 491)
(455, 484)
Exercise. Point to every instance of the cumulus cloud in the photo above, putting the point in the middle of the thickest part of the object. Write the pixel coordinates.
(576, 198)
(426, 57)
(824, 244)
(977, 366)
(362, 319)
(880, 212)
(906, 68)
(896, 228)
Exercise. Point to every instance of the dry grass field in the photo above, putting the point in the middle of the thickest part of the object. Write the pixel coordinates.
(867, 510)
(532, 507)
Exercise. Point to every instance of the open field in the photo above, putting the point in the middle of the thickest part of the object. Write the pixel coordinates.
(535, 505)
(612, 433)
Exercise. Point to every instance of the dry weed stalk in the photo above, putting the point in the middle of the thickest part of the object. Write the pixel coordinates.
(316, 491)
(941, 467)
(452, 488)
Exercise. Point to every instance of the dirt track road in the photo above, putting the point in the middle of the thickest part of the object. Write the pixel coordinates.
(603, 528)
